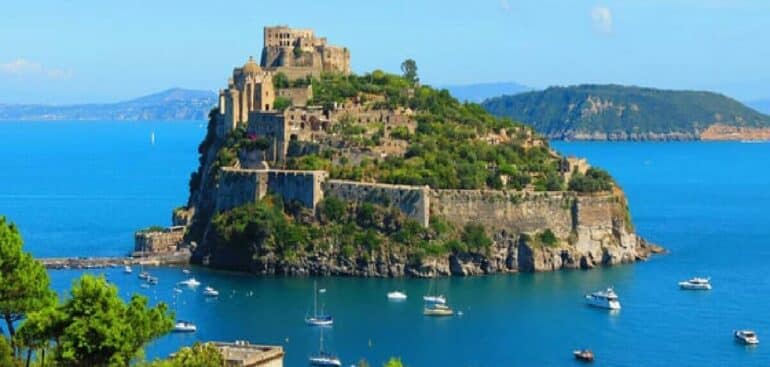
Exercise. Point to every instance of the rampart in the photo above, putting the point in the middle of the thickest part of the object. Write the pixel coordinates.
(242, 186)
(414, 201)
(159, 241)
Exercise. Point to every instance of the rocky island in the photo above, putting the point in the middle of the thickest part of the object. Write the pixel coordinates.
(307, 168)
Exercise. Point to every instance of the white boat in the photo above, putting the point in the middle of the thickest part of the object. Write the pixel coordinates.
(323, 359)
(437, 309)
(696, 284)
(435, 299)
(318, 319)
(144, 275)
(127, 269)
(186, 271)
(210, 292)
(604, 299)
(397, 295)
(747, 337)
(185, 327)
(192, 282)
(152, 280)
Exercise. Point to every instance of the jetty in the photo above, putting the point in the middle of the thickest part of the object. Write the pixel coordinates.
(181, 257)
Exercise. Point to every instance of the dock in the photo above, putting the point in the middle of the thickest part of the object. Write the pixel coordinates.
(179, 258)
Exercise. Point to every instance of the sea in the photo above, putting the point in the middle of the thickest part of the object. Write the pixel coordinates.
(83, 188)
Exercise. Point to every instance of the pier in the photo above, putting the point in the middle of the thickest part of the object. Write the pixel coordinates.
(181, 257)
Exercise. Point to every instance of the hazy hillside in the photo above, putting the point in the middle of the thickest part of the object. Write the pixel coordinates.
(172, 104)
(479, 92)
(613, 112)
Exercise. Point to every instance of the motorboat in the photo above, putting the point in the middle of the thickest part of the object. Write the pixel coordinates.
(604, 299)
(192, 282)
(144, 275)
(185, 327)
(210, 292)
(584, 355)
(152, 280)
(437, 309)
(747, 337)
(324, 359)
(318, 319)
(440, 299)
(696, 284)
(127, 269)
(397, 296)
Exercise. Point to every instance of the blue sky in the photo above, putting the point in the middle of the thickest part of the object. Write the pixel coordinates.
(54, 51)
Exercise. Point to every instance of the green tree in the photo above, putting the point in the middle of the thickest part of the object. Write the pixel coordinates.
(94, 327)
(280, 80)
(6, 353)
(409, 70)
(24, 283)
(393, 362)
(38, 330)
(199, 355)
(281, 103)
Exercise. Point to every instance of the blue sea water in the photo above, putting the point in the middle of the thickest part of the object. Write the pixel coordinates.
(80, 189)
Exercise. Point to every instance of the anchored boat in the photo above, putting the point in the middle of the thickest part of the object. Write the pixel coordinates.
(318, 319)
(696, 284)
(324, 359)
(604, 299)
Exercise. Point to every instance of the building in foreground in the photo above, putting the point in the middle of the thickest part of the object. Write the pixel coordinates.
(242, 354)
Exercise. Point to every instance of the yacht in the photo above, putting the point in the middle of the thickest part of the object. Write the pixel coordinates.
(747, 337)
(210, 292)
(585, 355)
(324, 359)
(192, 282)
(696, 284)
(318, 319)
(127, 269)
(397, 296)
(437, 309)
(604, 299)
(185, 327)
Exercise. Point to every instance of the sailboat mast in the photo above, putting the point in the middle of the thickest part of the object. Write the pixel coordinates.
(321, 348)
(315, 300)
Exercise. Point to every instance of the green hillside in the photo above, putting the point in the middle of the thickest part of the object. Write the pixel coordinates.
(623, 113)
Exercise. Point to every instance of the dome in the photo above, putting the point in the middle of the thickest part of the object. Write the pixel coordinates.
(251, 67)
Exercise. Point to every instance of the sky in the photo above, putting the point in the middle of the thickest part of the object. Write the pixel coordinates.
(60, 52)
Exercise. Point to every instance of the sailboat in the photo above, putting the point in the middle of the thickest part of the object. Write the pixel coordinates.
(152, 138)
(323, 359)
(316, 319)
(433, 298)
(182, 326)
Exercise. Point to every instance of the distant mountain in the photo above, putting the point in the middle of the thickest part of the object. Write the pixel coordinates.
(614, 112)
(479, 92)
(762, 105)
(172, 104)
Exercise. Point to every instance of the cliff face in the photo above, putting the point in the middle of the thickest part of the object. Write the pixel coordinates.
(590, 230)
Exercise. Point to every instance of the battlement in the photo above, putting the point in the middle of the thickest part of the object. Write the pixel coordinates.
(239, 186)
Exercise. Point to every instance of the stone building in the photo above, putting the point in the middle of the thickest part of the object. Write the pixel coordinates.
(299, 53)
(249, 90)
(159, 241)
(243, 354)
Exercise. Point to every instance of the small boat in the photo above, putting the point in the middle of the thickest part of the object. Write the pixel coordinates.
(318, 319)
(210, 292)
(437, 309)
(127, 269)
(440, 299)
(186, 271)
(185, 327)
(696, 284)
(324, 359)
(747, 337)
(177, 290)
(152, 280)
(322, 290)
(604, 299)
(397, 295)
(144, 275)
(144, 285)
(584, 355)
(192, 282)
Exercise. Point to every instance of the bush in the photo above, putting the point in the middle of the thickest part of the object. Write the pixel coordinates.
(594, 180)
(475, 237)
(281, 103)
(548, 238)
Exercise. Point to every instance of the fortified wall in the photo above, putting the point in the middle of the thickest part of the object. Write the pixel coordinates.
(414, 201)
(242, 186)
(160, 241)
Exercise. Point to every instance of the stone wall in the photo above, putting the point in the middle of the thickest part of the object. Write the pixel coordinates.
(150, 242)
(414, 201)
(298, 96)
(242, 186)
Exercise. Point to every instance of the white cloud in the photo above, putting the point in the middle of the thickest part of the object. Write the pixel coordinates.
(601, 16)
(22, 67)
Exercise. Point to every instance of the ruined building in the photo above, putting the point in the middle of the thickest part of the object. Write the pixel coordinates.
(299, 53)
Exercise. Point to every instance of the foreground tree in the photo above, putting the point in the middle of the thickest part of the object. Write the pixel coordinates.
(95, 327)
(394, 362)
(24, 283)
(6, 354)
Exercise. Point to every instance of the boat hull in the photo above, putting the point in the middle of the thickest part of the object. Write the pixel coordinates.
(602, 303)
